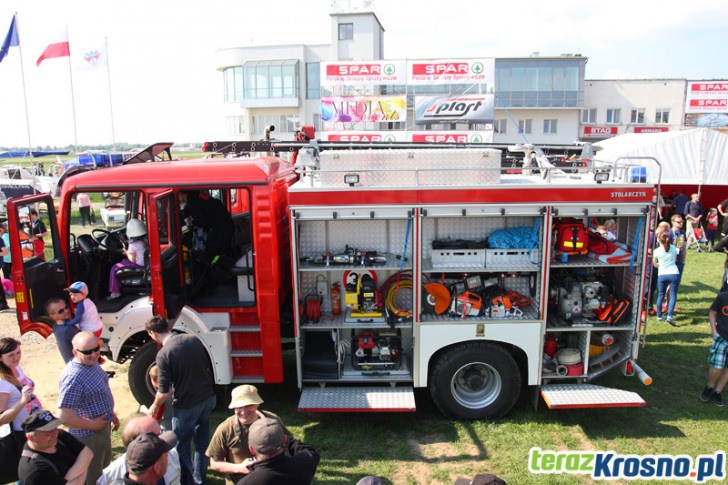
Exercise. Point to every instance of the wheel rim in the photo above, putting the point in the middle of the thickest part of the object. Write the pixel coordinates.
(476, 385)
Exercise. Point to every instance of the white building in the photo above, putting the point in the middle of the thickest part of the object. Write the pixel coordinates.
(614, 107)
(541, 100)
(279, 85)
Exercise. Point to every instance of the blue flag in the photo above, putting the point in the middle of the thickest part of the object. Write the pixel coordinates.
(10, 40)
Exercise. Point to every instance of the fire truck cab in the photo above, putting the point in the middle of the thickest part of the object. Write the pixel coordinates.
(237, 310)
(393, 269)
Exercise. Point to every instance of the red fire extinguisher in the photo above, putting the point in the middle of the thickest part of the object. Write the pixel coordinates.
(335, 299)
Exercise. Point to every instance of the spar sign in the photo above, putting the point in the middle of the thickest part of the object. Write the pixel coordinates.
(364, 72)
(363, 136)
(707, 97)
(451, 136)
(453, 71)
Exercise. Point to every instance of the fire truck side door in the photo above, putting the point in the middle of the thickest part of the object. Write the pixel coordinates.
(168, 294)
(39, 268)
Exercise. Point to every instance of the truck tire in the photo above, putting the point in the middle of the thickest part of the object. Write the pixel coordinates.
(475, 380)
(139, 383)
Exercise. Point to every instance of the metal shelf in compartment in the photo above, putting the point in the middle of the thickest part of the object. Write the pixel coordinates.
(393, 263)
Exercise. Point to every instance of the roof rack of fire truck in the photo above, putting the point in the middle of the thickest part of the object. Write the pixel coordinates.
(264, 146)
(543, 156)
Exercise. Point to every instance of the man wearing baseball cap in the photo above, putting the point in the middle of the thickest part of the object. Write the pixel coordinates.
(146, 457)
(278, 460)
(228, 450)
(137, 425)
(51, 456)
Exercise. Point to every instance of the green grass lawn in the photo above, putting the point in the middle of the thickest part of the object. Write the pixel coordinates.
(424, 447)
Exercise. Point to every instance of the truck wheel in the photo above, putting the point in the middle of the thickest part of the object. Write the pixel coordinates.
(475, 380)
(139, 383)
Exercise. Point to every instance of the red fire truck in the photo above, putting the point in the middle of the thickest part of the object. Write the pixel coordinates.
(391, 268)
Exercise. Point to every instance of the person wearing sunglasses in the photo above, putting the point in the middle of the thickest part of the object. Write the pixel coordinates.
(58, 311)
(678, 238)
(86, 404)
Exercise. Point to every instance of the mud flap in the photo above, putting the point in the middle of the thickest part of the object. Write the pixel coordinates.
(573, 396)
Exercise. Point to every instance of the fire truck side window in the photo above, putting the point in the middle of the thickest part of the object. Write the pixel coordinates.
(36, 239)
(41, 257)
(168, 231)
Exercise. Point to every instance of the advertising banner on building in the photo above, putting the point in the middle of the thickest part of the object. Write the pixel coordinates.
(707, 97)
(455, 109)
(600, 131)
(364, 72)
(450, 136)
(714, 120)
(453, 71)
(364, 136)
(650, 129)
(358, 110)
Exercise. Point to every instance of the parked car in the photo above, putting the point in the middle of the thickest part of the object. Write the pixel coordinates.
(3, 206)
(114, 212)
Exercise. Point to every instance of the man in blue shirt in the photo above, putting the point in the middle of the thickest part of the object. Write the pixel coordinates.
(85, 402)
(679, 203)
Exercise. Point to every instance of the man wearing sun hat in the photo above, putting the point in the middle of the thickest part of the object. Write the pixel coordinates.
(51, 455)
(279, 460)
(146, 457)
(228, 451)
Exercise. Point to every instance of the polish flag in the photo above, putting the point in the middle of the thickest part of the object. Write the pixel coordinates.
(57, 48)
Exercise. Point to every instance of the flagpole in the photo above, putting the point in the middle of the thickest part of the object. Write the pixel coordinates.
(25, 100)
(111, 106)
(73, 100)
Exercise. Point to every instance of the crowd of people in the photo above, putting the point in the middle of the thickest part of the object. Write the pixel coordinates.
(251, 447)
(690, 225)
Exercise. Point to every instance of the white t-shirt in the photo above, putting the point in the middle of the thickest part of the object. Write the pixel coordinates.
(14, 396)
(139, 250)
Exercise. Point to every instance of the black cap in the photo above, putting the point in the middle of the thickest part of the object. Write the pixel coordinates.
(41, 421)
(265, 436)
(147, 448)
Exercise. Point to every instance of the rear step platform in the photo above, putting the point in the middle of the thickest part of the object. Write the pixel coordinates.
(357, 399)
(574, 396)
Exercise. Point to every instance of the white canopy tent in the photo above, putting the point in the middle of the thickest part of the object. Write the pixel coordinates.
(690, 157)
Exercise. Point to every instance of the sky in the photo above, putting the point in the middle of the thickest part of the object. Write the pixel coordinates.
(163, 84)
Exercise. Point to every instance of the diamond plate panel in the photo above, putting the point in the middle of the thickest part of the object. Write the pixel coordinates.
(316, 238)
(311, 239)
(353, 399)
(423, 167)
(588, 396)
